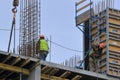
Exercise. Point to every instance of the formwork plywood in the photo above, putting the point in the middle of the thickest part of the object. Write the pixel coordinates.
(115, 36)
(112, 60)
(114, 42)
(94, 25)
(114, 21)
(83, 17)
(94, 36)
(95, 41)
(111, 29)
(115, 12)
(103, 37)
(104, 68)
(94, 30)
(114, 48)
(114, 72)
(103, 57)
(111, 72)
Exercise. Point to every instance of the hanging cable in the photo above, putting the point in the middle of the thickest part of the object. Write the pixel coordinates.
(64, 46)
(7, 29)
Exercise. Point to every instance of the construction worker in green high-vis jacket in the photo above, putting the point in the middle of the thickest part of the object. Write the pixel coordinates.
(43, 48)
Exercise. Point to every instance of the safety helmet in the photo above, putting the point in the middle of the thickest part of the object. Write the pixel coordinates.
(41, 36)
(102, 45)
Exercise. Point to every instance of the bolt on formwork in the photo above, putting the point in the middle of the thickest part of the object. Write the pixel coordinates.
(29, 26)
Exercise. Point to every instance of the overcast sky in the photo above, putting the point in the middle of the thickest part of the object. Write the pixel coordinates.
(57, 21)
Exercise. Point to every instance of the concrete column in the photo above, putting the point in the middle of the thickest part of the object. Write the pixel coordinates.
(35, 74)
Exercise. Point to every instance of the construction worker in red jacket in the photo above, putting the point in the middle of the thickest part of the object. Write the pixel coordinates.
(43, 48)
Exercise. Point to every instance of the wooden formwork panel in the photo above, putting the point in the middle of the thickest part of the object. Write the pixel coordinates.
(115, 12)
(103, 68)
(114, 21)
(114, 72)
(95, 41)
(115, 36)
(111, 29)
(103, 57)
(112, 60)
(94, 30)
(114, 42)
(83, 17)
(94, 24)
(94, 36)
(114, 48)
(111, 72)
(103, 38)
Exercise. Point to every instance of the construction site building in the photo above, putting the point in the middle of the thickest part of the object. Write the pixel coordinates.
(102, 26)
(18, 67)
(106, 29)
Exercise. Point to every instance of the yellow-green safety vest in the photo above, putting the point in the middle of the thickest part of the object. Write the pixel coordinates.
(43, 45)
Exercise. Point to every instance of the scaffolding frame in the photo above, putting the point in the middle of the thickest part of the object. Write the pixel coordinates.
(104, 28)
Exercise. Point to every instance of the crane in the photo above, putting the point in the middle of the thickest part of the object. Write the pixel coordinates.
(14, 10)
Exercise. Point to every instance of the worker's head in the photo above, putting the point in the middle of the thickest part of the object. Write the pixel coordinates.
(41, 36)
(102, 45)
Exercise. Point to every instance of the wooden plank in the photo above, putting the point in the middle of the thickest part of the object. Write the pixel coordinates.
(77, 77)
(36, 64)
(80, 2)
(16, 60)
(48, 77)
(84, 6)
(83, 17)
(52, 72)
(65, 74)
(48, 70)
(7, 58)
(14, 68)
(44, 68)
(25, 62)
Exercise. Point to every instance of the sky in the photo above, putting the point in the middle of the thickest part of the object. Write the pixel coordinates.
(57, 21)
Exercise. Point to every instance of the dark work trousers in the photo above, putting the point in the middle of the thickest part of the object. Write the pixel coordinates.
(43, 55)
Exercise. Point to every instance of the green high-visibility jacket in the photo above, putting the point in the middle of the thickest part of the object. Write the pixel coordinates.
(43, 45)
(91, 52)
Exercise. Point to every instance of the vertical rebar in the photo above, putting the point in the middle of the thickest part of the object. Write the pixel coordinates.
(39, 18)
(50, 49)
(29, 26)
